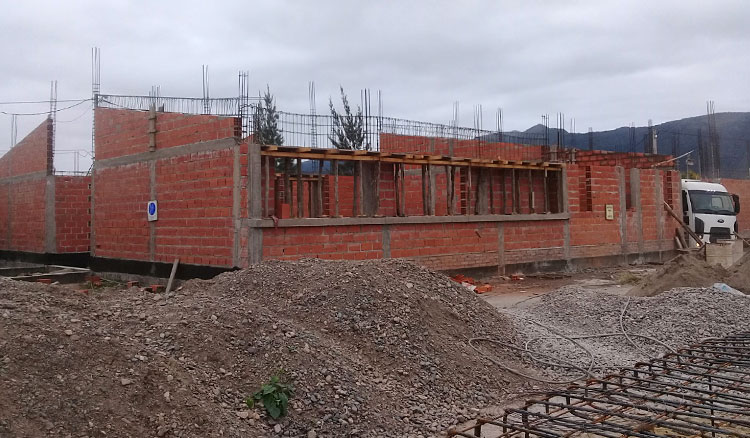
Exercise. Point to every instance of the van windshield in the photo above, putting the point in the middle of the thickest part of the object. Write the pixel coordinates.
(704, 201)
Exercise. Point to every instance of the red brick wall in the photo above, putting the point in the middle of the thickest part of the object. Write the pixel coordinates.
(409, 144)
(120, 225)
(30, 155)
(194, 190)
(356, 242)
(27, 216)
(24, 213)
(448, 245)
(72, 218)
(122, 132)
(533, 241)
(628, 160)
(741, 188)
(195, 208)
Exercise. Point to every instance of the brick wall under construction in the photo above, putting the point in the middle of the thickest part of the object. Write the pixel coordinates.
(41, 212)
(199, 171)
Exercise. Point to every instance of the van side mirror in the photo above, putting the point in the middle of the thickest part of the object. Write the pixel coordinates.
(736, 199)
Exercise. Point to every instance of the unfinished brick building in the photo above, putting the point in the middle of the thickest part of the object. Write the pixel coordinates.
(42, 213)
(224, 201)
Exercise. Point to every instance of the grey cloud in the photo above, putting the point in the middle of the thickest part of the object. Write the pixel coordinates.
(605, 63)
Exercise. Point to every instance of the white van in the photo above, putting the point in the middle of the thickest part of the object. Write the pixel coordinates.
(709, 210)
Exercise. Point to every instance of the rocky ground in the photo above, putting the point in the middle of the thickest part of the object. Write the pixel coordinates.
(677, 317)
(373, 349)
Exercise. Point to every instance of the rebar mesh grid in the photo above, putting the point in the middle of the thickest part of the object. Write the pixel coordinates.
(699, 391)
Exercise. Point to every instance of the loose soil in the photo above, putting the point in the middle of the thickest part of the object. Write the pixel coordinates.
(373, 349)
(691, 271)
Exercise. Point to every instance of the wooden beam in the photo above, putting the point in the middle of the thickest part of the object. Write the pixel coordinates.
(396, 189)
(468, 191)
(503, 190)
(300, 190)
(288, 185)
(360, 190)
(403, 189)
(377, 189)
(267, 195)
(425, 200)
(335, 164)
(319, 189)
(514, 194)
(449, 189)
(546, 192)
(430, 189)
(491, 191)
(531, 192)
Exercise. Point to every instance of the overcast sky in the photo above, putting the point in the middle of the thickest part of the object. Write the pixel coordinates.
(605, 63)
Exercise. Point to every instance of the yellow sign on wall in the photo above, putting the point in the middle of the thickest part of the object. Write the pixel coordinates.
(610, 212)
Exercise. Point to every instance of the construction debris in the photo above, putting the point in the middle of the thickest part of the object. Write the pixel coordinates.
(375, 349)
(471, 284)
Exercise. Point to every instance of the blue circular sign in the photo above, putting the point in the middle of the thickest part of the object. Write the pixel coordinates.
(151, 208)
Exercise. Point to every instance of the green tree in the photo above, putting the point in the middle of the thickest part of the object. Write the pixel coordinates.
(266, 121)
(347, 131)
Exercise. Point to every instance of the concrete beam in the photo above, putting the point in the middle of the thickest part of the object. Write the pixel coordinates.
(161, 154)
(324, 222)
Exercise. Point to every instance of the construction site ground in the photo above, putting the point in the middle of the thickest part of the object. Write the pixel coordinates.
(507, 292)
(374, 349)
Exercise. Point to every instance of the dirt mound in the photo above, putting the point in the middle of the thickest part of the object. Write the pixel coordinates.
(374, 349)
(683, 271)
(677, 317)
(739, 277)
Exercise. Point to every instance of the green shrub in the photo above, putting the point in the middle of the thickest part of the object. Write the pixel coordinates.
(274, 395)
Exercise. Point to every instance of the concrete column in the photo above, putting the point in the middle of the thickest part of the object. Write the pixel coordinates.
(255, 235)
(152, 225)
(236, 200)
(658, 202)
(50, 226)
(622, 193)
(635, 192)
(386, 241)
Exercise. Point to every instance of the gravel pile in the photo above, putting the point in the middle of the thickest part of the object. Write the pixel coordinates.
(375, 349)
(677, 317)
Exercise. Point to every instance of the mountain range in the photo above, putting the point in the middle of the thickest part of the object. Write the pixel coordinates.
(676, 137)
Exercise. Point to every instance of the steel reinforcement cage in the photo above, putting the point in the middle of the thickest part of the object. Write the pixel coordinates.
(699, 391)
(378, 133)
